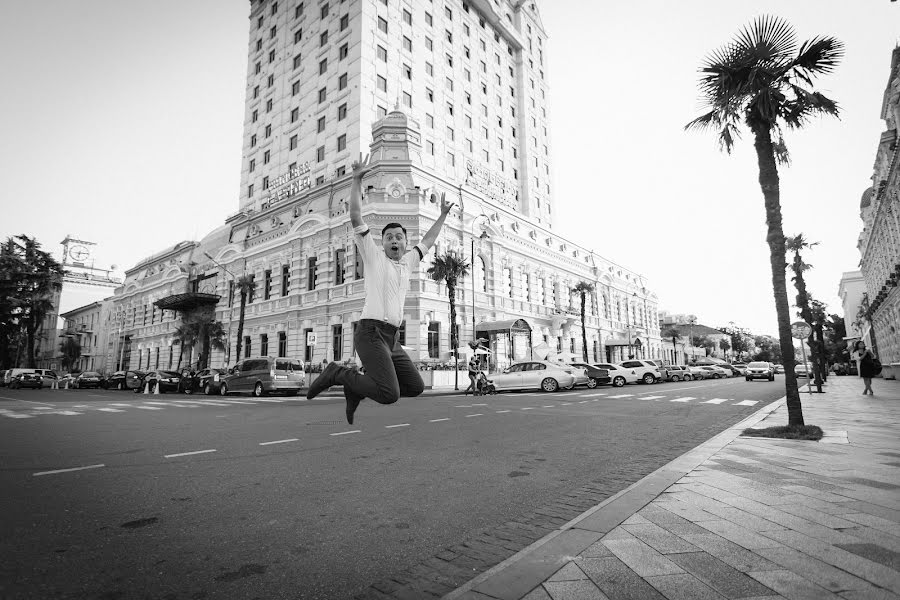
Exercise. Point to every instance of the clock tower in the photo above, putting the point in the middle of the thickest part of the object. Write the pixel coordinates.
(76, 252)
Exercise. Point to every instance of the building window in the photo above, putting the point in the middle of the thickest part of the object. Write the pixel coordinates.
(323, 66)
(271, 56)
(407, 100)
(267, 155)
(339, 266)
(382, 25)
(407, 17)
(272, 32)
(252, 164)
(429, 69)
(298, 35)
(307, 349)
(320, 125)
(428, 20)
(407, 71)
(382, 83)
(269, 105)
(450, 134)
(311, 273)
(451, 159)
(256, 92)
(342, 81)
(320, 154)
(323, 94)
(323, 39)
(251, 291)
(295, 88)
(285, 280)
(381, 112)
(337, 341)
(323, 12)
(342, 112)
(448, 13)
(407, 44)
(382, 54)
(274, 8)
(343, 51)
(345, 22)
(267, 284)
(429, 121)
(247, 348)
(358, 271)
(434, 339)
(282, 344)
(295, 115)
(429, 94)
(268, 131)
(298, 59)
(266, 182)
(429, 147)
(258, 45)
(429, 45)
(250, 191)
(342, 142)
(264, 344)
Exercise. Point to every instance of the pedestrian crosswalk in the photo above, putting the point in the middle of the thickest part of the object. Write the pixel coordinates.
(74, 410)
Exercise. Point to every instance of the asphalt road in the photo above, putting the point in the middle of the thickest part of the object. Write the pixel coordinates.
(195, 497)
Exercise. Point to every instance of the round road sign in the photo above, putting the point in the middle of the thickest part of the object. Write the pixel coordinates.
(800, 330)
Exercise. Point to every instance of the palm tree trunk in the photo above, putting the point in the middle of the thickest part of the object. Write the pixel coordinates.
(768, 182)
(674, 351)
(583, 330)
(454, 343)
(240, 329)
(180, 355)
(204, 346)
(31, 333)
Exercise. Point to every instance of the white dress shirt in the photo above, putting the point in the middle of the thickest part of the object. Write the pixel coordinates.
(386, 280)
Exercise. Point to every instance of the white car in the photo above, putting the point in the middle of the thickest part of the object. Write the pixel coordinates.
(535, 374)
(716, 372)
(647, 371)
(580, 373)
(618, 375)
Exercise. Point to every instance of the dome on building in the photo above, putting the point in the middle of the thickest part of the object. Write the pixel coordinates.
(866, 200)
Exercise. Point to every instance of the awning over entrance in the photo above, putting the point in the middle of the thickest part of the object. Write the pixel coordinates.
(616, 342)
(512, 324)
(187, 301)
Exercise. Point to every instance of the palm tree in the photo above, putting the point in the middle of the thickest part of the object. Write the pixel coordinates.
(200, 327)
(672, 332)
(70, 348)
(450, 267)
(724, 346)
(583, 288)
(246, 286)
(796, 245)
(764, 80)
(187, 335)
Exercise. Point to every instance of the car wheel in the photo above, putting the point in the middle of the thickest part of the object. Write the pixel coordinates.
(618, 381)
(207, 389)
(549, 385)
(592, 383)
(648, 378)
(223, 389)
(258, 390)
(676, 378)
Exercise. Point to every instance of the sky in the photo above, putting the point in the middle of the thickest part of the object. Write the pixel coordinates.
(122, 123)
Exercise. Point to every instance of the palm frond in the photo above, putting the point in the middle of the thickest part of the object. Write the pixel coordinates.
(819, 55)
(768, 40)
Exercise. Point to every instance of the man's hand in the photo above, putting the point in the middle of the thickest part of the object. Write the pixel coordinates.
(360, 167)
(446, 205)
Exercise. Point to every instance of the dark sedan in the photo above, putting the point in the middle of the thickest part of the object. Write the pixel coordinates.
(88, 379)
(208, 381)
(124, 380)
(596, 375)
(27, 380)
(168, 381)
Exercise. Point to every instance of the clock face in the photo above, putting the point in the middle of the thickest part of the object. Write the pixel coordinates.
(78, 253)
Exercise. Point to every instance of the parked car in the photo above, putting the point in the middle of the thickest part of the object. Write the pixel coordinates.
(537, 374)
(618, 374)
(27, 380)
(697, 372)
(802, 370)
(168, 381)
(760, 370)
(580, 373)
(67, 380)
(716, 372)
(779, 369)
(265, 375)
(647, 371)
(596, 376)
(742, 367)
(13, 373)
(678, 373)
(124, 380)
(208, 381)
(48, 376)
(732, 370)
(88, 379)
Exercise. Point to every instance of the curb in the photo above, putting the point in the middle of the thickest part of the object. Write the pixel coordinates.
(587, 528)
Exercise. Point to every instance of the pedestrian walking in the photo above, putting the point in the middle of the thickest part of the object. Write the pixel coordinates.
(865, 365)
(474, 365)
(389, 372)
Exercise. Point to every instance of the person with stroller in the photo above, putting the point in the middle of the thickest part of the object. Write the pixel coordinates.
(474, 365)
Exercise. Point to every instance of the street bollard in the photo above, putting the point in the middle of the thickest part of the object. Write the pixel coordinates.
(146, 387)
(156, 389)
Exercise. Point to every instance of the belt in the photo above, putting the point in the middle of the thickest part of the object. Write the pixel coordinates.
(380, 324)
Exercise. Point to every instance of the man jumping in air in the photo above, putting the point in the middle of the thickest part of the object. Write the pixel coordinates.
(389, 372)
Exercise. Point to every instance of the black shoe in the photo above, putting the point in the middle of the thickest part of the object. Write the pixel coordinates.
(324, 381)
(352, 403)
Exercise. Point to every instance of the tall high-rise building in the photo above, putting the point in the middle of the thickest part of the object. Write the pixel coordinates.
(472, 74)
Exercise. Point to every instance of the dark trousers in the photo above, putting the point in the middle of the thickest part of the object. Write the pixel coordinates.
(390, 372)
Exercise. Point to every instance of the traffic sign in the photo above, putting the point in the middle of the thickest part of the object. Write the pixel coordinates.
(800, 330)
(310, 338)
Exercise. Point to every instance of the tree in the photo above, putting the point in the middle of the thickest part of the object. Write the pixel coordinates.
(764, 81)
(835, 344)
(449, 268)
(30, 278)
(724, 346)
(70, 349)
(769, 349)
(797, 244)
(583, 288)
(739, 344)
(246, 286)
(200, 327)
(675, 335)
(703, 341)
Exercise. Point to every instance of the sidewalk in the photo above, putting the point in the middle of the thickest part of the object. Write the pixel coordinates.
(739, 517)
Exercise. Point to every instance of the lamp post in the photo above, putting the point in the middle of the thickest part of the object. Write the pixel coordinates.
(230, 307)
(691, 322)
(484, 235)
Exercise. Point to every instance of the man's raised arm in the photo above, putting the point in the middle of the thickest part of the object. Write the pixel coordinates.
(431, 235)
(360, 168)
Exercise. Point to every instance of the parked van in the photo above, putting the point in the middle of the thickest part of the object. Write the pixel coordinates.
(264, 375)
(8, 376)
(48, 376)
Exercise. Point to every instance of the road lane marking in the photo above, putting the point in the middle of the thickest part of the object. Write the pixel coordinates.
(479, 405)
(110, 410)
(549, 406)
(99, 395)
(566, 403)
(683, 399)
(161, 403)
(187, 453)
(463, 406)
(475, 415)
(715, 401)
(30, 402)
(67, 470)
(651, 397)
(592, 395)
(13, 399)
(148, 407)
(346, 432)
(501, 411)
(16, 415)
(439, 420)
(397, 425)
(203, 402)
(279, 442)
(584, 402)
(528, 408)
(227, 402)
(79, 406)
(622, 396)
(746, 403)
(693, 387)
(268, 400)
(123, 405)
(68, 413)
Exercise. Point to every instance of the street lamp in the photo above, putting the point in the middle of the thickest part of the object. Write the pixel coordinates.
(484, 235)
(230, 306)
(691, 322)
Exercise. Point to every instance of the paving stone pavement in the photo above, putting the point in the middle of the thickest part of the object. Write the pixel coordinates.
(739, 517)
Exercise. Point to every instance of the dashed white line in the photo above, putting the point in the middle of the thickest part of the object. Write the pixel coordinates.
(148, 407)
(746, 403)
(110, 409)
(475, 415)
(501, 411)
(463, 406)
(527, 408)
(584, 402)
(397, 425)
(622, 396)
(122, 405)
(439, 420)
(651, 397)
(67, 470)
(68, 413)
(188, 453)
(715, 401)
(346, 432)
(16, 415)
(565, 403)
(683, 399)
(268, 400)
(479, 405)
(549, 406)
(279, 442)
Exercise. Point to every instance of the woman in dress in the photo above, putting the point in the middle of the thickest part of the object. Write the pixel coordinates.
(865, 365)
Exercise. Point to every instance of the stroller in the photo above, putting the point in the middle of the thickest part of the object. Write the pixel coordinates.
(483, 386)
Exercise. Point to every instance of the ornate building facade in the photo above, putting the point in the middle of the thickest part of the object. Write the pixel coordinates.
(468, 86)
(879, 242)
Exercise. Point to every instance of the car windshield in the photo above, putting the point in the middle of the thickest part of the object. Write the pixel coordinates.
(91, 374)
(758, 365)
(288, 365)
(169, 374)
